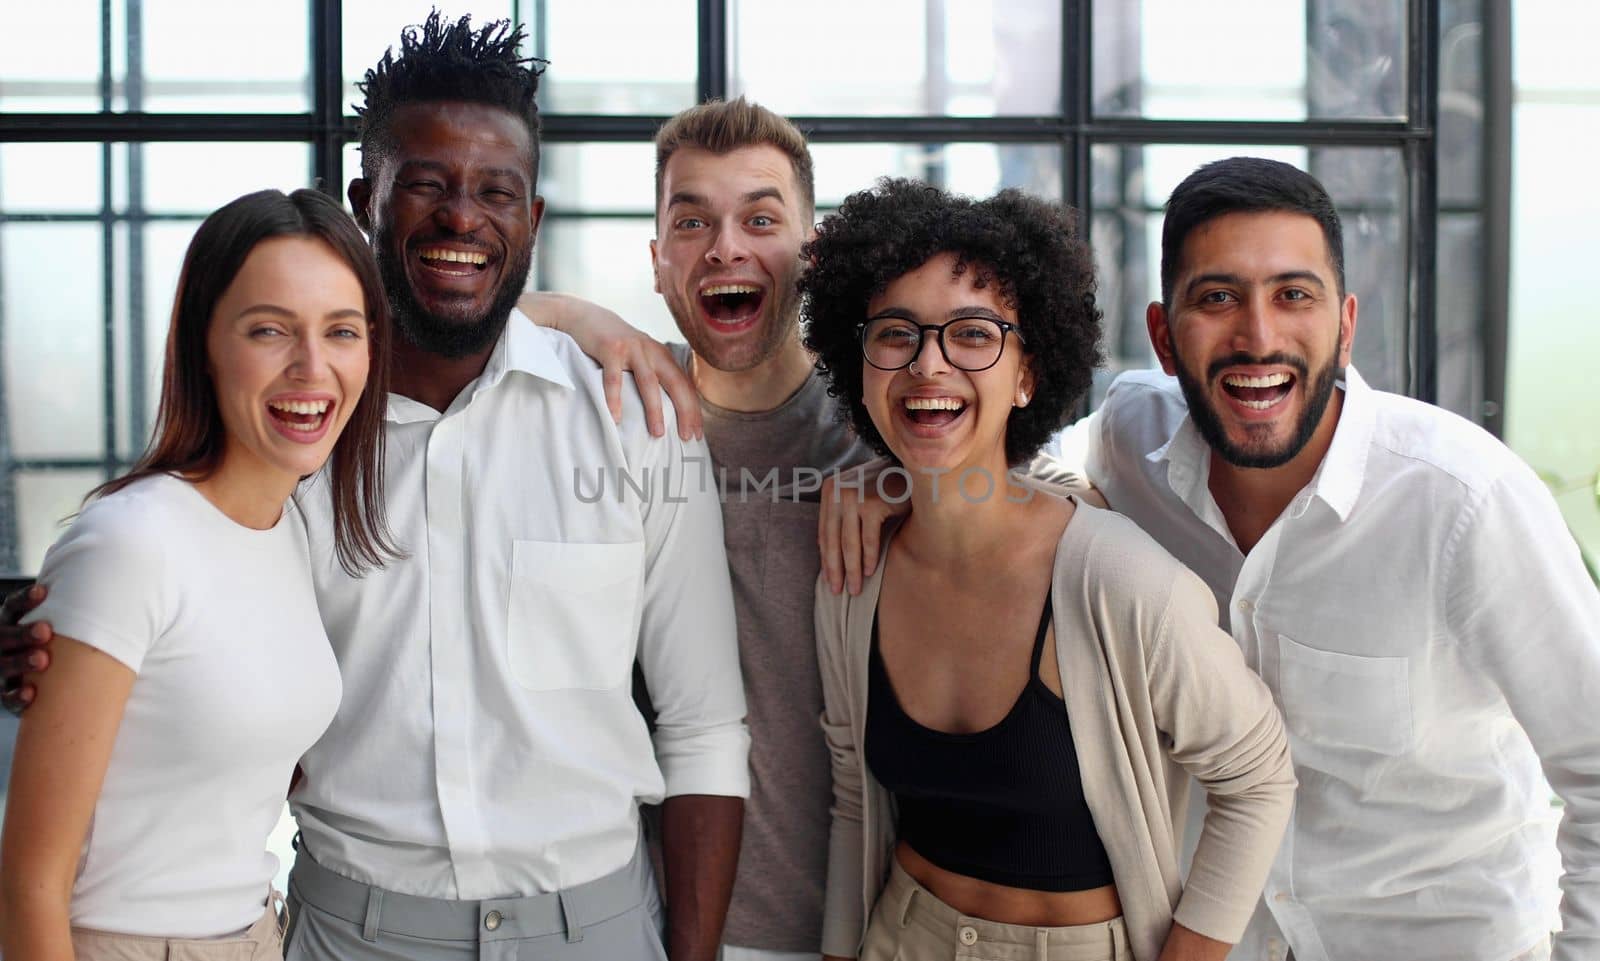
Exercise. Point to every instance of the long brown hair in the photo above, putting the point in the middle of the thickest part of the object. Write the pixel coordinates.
(189, 435)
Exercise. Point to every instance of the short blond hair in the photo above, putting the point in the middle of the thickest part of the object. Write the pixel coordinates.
(723, 126)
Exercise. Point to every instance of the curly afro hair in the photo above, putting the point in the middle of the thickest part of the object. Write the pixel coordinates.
(440, 60)
(1027, 247)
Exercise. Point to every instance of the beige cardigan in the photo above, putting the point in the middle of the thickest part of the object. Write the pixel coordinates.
(1155, 689)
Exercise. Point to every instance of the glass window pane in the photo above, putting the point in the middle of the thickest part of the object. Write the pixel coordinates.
(200, 177)
(54, 178)
(598, 177)
(606, 261)
(45, 501)
(143, 323)
(1459, 293)
(1552, 392)
(1460, 103)
(966, 58)
(1245, 60)
(190, 57)
(201, 56)
(1130, 189)
(975, 169)
(51, 321)
(623, 56)
(39, 74)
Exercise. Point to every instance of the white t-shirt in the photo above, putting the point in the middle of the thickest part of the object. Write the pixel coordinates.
(235, 681)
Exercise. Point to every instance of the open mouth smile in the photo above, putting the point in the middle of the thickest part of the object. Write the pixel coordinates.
(932, 414)
(303, 421)
(731, 305)
(1259, 393)
(452, 262)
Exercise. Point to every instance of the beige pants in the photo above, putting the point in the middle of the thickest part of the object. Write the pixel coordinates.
(262, 941)
(910, 924)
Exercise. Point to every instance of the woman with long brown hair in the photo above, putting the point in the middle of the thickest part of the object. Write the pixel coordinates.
(190, 669)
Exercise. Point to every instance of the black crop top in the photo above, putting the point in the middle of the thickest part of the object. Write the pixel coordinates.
(1004, 805)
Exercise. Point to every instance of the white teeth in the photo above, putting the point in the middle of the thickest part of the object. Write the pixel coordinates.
(1259, 404)
(299, 406)
(1270, 380)
(934, 403)
(453, 256)
(730, 289)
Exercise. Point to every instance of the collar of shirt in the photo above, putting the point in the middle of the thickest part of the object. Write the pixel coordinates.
(523, 347)
(1336, 483)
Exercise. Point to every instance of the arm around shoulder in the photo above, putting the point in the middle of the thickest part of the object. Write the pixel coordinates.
(618, 347)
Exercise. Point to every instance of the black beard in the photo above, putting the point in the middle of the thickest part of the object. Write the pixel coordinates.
(436, 334)
(1209, 422)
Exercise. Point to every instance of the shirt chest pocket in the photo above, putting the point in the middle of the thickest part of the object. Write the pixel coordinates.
(1345, 700)
(573, 614)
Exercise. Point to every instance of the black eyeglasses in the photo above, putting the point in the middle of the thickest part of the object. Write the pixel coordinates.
(970, 343)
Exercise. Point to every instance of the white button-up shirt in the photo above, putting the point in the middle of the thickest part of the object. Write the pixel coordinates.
(1428, 629)
(488, 744)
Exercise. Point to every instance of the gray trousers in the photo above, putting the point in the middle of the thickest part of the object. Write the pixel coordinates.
(614, 918)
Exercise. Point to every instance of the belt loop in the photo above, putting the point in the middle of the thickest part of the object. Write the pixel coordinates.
(280, 910)
(1041, 945)
(569, 917)
(369, 927)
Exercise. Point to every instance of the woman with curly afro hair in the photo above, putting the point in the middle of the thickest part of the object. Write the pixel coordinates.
(1016, 697)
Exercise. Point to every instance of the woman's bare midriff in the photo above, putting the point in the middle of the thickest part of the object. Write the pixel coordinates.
(1006, 904)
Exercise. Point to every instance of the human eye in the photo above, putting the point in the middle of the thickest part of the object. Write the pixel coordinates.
(347, 332)
(974, 332)
(688, 223)
(1217, 297)
(267, 332)
(1295, 294)
(422, 185)
(894, 334)
(763, 220)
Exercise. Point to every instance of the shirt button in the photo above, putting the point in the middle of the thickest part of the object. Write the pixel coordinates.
(491, 921)
(1245, 605)
(968, 935)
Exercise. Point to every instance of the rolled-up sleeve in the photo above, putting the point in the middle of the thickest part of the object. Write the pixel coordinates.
(688, 645)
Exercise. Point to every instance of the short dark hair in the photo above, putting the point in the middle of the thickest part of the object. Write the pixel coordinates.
(723, 126)
(1245, 185)
(189, 436)
(449, 61)
(1028, 248)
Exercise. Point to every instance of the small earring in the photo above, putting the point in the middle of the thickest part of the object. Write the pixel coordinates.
(1022, 398)
(913, 368)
